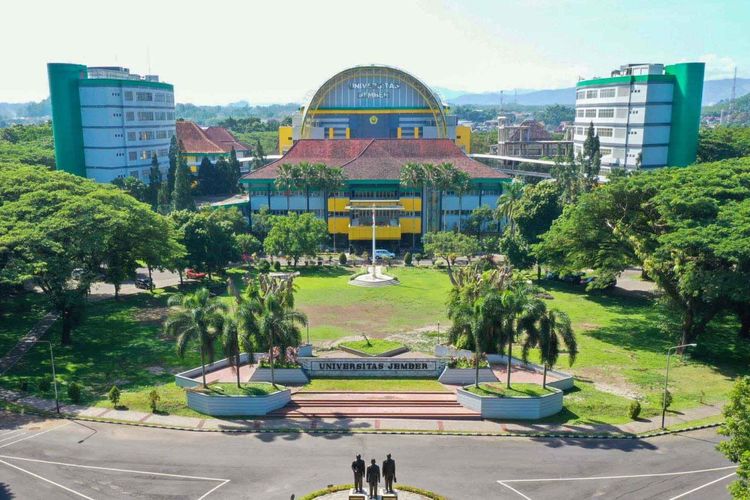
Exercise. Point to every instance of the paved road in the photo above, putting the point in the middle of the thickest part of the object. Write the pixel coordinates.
(60, 459)
(101, 290)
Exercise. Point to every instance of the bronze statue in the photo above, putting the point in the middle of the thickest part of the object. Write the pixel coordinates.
(358, 467)
(373, 478)
(389, 473)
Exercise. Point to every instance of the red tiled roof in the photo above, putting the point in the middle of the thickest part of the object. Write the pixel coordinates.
(225, 140)
(376, 158)
(194, 139)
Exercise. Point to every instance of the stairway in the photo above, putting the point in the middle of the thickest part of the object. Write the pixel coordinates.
(422, 405)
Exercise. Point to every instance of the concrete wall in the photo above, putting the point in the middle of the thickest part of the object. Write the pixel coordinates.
(185, 379)
(237, 405)
(373, 367)
(520, 408)
(287, 376)
(464, 376)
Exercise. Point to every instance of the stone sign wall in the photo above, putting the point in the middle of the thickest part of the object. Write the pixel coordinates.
(373, 367)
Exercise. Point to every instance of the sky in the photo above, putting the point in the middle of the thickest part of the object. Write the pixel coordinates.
(221, 51)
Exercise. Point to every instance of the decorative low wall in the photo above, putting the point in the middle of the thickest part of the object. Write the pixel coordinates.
(556, 379)
(374, 367)
(286, 376)
(516, 408)
(188, 379)
(237, 405)
(386, 354)
(464, 376)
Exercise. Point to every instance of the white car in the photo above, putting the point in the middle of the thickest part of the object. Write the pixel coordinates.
(381, 253)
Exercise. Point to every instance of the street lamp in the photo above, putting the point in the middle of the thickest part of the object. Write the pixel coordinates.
(54, 376)
(666, 381)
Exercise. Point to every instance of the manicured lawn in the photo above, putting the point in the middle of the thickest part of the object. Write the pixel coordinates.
(499, 390)
(336, 309)
(172, 400)
(374, 384)
(372, 346)
(18, 314)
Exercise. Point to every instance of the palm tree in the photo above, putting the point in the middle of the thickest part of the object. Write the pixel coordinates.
(287, 180)
(412, 176)
(461, 183)
(442, 180)
(195, 317)
(331, 179)
(238, 329)
(554, 326)
(507, 204)
(522, 313)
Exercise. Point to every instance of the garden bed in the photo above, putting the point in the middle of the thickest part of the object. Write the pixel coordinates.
(290, 376)
(373, 347)
(523, 402)
(249, 400)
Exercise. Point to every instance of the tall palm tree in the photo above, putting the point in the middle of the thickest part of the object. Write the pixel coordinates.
(442, 180)
(554, 327)
(195, 317)
(412, 176)
(507, 204)
(287, 180)
(522, 312)
(460, 183)
(238, 329)
(332, 179)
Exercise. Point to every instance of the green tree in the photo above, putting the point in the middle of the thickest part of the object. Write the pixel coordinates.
(235, 172)
(223, 183)
(195, 318)
(207, 177)
(479, 219)
(295, 235)
(412, 176)
(134, 187)
(590, 160)
(260, 156)
(537, 209)
(737, 428)
(554, 329)
(247, 244)
(154, 183)
(507, 204)
(460, 184)
(555, 114)
(182, 198)
(174, 151)
(566, 173)
(681, 225)
(449, 246)
(163, 206)
(288, 180)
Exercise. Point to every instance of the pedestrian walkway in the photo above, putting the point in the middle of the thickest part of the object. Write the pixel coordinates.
(352, 424)
(27, 342)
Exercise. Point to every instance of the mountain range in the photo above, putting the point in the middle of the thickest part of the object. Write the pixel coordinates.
(713, 92)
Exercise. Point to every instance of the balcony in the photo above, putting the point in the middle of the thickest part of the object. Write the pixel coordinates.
(381, 232)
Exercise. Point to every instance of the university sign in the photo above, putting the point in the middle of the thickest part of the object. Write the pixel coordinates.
(373, 367)
(374, 90)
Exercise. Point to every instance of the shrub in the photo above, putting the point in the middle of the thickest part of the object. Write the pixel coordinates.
(667, 401)
(277, 266)
(418, 258)
(45, 384)
(153, 399)
(23, 385)
(342, 259)
(264, 266)
(407, 259)
(634, 410)
(74, 392)
(114, 396)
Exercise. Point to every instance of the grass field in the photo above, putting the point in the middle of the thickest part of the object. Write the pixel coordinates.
(372, 346)
(17, 315)
(499, 390)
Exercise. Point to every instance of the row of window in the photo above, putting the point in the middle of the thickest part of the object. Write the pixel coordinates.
(149, 96)
(146, 154)
(148, 116)
(596, 93)
(148, 135)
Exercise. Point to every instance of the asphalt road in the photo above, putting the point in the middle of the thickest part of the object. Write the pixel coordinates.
(61, 459)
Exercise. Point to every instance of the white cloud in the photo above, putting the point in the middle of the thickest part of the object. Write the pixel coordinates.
(717, 66)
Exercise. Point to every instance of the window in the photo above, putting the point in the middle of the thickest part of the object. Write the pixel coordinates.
(132, 156)
(163, 152)
(129, 116)
(161, 134)
(592, 94)
(580, 131)
(170, 116)
(146, 115)
(146, 135)
(131, 136)
(581, 94)
(160, 115)
(115, 94)
(633, 111)
(607, 113)
(579, 113)
(145, 154)
(128, 95)
(170, 98)
(590, 113)
(144, 96)
(604, 131)
(605, 151)
(117, 115)
(607, 93)
(159, 98)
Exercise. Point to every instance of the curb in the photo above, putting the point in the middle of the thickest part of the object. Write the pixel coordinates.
(294, 430)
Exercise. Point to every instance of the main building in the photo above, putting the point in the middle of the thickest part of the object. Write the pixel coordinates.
(108, 122)
(370, 121)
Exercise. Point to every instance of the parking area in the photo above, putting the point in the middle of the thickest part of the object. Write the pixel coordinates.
(65, 459)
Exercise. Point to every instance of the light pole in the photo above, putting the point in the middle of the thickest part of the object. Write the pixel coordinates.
(666, 381)
(438, 332)
(54, 376)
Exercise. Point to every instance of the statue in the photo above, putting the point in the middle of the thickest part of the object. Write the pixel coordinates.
(389, 473)
(358, 467)
(373, 478)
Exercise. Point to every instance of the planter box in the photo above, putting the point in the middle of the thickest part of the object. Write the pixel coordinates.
(305, 350)
(386, 354)
(237, 405)
(464, 376)
(286, 376)
(519, 408)
(186, 379)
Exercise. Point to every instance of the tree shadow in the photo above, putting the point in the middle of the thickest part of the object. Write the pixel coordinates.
(623, 445)
(5, 492)
(293, 430)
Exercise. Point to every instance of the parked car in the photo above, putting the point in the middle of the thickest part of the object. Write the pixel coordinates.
(192, 274)
(144, 283)
(77, 273)
(381, 253)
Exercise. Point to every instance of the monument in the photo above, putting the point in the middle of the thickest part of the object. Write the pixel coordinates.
(374, 276)
(373, 478)
(389, 476)
(358, 468)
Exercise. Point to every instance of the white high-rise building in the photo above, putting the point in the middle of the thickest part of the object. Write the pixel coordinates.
(645, 115)
(108, 122)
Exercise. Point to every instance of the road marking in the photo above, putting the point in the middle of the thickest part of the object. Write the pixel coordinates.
(213, 489)
(9, 436)
(95, 467)
(514, 490)
(703, 486)
(46, 480)
(34, 435)
(631, 476)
